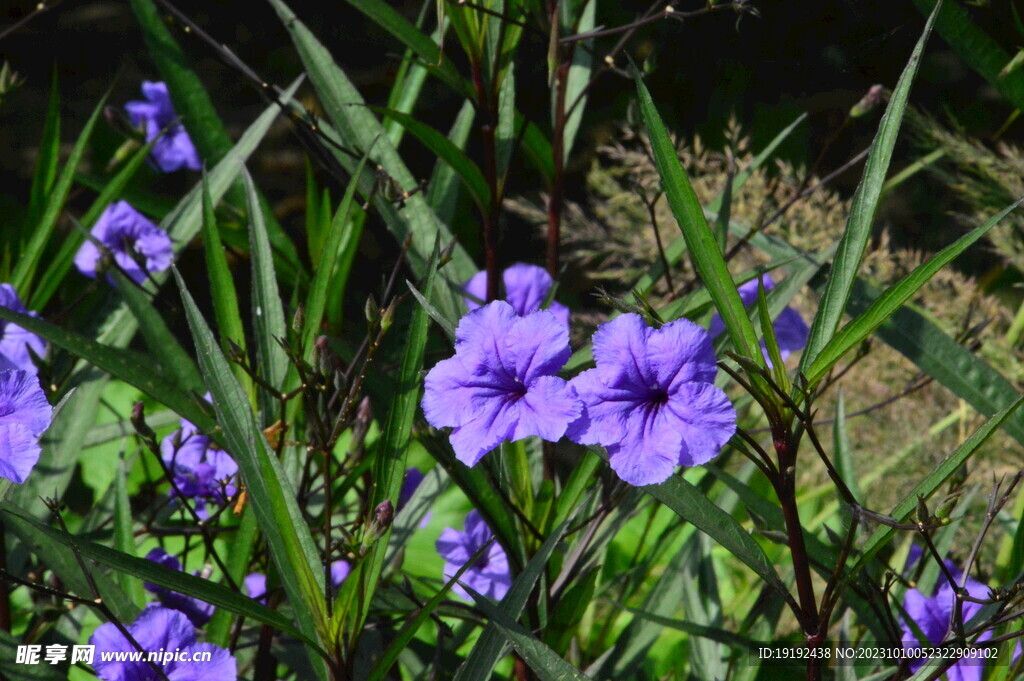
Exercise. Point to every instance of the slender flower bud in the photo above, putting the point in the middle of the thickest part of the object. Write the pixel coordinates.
(372, 310)
(388, 318)
(299, 320)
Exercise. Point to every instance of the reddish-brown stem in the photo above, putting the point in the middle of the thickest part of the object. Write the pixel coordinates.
(491, 174)
(558, 152)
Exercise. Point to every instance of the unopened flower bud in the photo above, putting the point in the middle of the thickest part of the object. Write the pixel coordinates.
(321, 356)
(923, 515)
(446, 254)
(372, 310)
(299, 320)
(388, 317)
(875, 96)
(383, 516)
(235, 352)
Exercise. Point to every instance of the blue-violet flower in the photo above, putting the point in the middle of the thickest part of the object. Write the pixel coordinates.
(198, 612)
(651, 401)
(526, 287)
(174, 150)
(490, 574)
(14, 340)
(201, 471)
(24, 415)
(138, 246)
(160, 629)
(500, 385)
(932, 615)
(791, 331)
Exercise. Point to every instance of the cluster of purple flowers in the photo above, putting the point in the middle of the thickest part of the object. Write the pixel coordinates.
(650, 401)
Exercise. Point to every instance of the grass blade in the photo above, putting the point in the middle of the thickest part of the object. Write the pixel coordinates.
(700, 240)
(267, 312)
(891, 300)
(272, 497)
(490, 646)
(927, 487)
(862, 213)
(33, 250)
(128, 366)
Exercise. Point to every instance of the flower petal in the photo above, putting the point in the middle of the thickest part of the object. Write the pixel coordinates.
(605, 410)
(220, 667)
(706, 420)
(649, 451)
(19, 452)
(791, 331)
(547, 409)
(526, 286)
(496, 423)
(453, 547)
(480, 336)
(621, 343)
(537, 345)
(681, 352)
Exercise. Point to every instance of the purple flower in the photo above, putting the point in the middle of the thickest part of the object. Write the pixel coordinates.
(14, 340)
(339, 572)
(526, 287)
(201, 471)
(175, 149)
(651, 402)
(490, 574)
(500, 385)
(932, 616)
(413, 478)
(790, 330)
(198, 612)
(256, 586)
(24, 415)
(160, 629)
(131, 238)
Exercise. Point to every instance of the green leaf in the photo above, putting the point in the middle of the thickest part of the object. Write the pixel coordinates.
(862, 214)
(342, 238)
(841, 447)
(175, 580)
(537, 148)
(62, 261)
(124, 534)
(61, 560)
(545, 662)
(390, 462)
(49, 155)
(891, 300)
(33, 250)
(409, 629)
(11, 670)
(267, 314)
(222, 285)
(355, 126)
(443, 189)
(675, 250)
(198, 114)
(269, 490)
(690, 505)
(128, 366)
(175, 363)
(579, 76)
(977, 48)
(490, 646)
(445, 151)
(218, 631)
(703, 246)
(932, 482)
(421, 44)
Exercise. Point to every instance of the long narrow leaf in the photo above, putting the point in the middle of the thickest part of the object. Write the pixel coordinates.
(862, 212)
